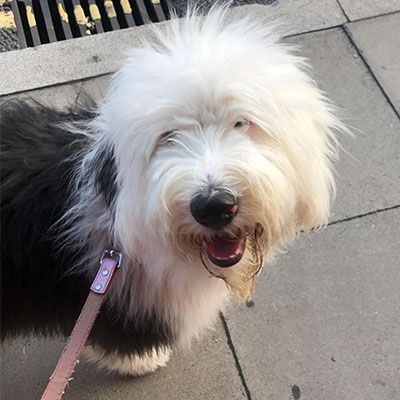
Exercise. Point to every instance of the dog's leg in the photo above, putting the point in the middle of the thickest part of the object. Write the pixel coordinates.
(128, 364)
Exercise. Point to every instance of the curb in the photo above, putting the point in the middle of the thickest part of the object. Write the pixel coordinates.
(87, 57)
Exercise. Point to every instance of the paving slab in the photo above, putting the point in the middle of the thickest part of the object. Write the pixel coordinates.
(295, 16)
(60, 96)
(93, 88)
(368, 174)
(306, 15)
(67, 94)
(81, 58)
(207, 372)
(379, 42)
(357, 9)
(325, 323)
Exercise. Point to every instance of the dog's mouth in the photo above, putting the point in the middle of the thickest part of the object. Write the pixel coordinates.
(225, 251)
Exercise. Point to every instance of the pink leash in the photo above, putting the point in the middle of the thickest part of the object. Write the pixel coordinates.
(109, 263)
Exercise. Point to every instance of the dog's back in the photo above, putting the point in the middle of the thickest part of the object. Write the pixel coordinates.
(36, 172)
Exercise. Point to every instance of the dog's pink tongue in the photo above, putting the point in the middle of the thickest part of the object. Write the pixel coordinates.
(224, 251)
(221, 247)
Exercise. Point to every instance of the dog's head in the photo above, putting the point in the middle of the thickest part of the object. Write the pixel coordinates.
(223, 146)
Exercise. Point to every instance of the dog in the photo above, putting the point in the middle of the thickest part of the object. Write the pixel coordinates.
(210, 151)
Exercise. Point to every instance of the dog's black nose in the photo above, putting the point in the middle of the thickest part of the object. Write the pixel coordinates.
(214, 207)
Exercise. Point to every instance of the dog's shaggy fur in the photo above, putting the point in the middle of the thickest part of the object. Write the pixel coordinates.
(211, 149)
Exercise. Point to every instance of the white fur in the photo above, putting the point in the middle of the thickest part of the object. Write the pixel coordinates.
(129, 364)
(199, 77)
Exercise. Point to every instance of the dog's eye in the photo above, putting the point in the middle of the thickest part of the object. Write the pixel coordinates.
(241, 123)
(165, 137)
(164, 140)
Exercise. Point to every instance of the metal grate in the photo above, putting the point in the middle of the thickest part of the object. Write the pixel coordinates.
(46, 21)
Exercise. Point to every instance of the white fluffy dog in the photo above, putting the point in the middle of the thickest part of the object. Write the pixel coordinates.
(210, 151)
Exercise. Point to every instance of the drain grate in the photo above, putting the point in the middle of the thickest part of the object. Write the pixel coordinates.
(46, 21)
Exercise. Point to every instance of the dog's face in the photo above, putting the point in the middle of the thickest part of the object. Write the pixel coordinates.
(223, 148)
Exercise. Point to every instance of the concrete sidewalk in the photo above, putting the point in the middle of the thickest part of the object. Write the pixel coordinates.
(325, 320)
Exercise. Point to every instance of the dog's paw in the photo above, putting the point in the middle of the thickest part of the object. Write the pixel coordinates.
(128, 364)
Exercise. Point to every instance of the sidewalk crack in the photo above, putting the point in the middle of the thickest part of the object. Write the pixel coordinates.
(369, 69)
(235, 356)
(343, 11)
(364, 215)
(375, 16)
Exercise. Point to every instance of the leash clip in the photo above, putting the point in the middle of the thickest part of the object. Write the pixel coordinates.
(110, 261)
(112, 254)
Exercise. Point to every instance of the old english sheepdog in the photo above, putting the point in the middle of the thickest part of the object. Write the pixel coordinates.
(211, 149)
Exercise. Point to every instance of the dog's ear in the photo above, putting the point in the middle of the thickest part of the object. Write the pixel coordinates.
(313, 208)
(315, 178)
(105, 173)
